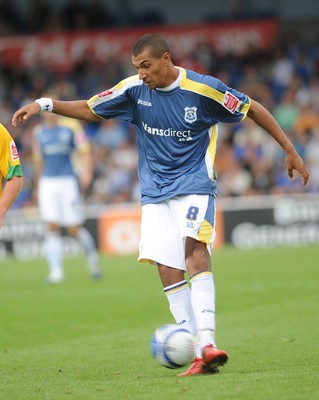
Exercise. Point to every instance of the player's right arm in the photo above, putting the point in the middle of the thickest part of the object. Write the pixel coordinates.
(11, 191)
(74, 109)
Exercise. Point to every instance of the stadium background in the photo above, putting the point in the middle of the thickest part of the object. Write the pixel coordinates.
(268, 49)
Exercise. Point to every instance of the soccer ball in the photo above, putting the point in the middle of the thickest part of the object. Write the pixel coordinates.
(172, 346)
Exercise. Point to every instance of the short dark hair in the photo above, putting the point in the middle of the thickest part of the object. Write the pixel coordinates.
(156, 43)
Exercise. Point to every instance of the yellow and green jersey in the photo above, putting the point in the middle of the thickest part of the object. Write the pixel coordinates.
(9, 157)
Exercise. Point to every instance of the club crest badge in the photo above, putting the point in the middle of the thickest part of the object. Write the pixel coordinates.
(190, 114)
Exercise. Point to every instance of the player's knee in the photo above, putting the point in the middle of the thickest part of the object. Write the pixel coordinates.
(170, 276)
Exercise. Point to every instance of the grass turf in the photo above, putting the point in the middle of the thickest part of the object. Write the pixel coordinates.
(90, 340)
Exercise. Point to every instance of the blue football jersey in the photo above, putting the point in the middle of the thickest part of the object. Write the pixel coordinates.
(55, 145)
(176, 130)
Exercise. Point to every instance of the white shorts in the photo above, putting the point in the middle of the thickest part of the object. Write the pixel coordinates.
(166, 225)
(60, 200)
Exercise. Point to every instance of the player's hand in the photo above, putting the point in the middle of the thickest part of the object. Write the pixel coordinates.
(294, 161)
(24, 113)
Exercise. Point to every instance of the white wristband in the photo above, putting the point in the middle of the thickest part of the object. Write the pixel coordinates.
(45, 103)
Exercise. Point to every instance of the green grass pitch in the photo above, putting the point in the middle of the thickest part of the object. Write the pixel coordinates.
(91, 340)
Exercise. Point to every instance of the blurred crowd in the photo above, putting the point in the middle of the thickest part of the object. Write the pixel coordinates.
(42, 16)
(248, 161)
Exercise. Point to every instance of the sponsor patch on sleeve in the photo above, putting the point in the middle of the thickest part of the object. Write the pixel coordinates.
(105, 93)
(231, 102)
(13, 151)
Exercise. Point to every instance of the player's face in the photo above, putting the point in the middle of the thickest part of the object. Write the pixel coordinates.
(154, 72)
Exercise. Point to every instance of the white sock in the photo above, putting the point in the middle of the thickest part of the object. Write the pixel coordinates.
(179, 298)
(203, 304)
(54, 252)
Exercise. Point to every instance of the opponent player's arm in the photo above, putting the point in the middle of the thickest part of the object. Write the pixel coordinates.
(262, 117)
(11, 190)
(74, 109)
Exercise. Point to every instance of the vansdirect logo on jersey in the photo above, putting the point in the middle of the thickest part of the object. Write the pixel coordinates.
(183, 136)
(13, 151)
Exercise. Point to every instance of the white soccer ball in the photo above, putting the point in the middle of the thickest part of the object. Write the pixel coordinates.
(172, 346)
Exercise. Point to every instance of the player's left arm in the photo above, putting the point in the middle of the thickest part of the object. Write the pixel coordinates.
(262, 117)
(11, 190)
